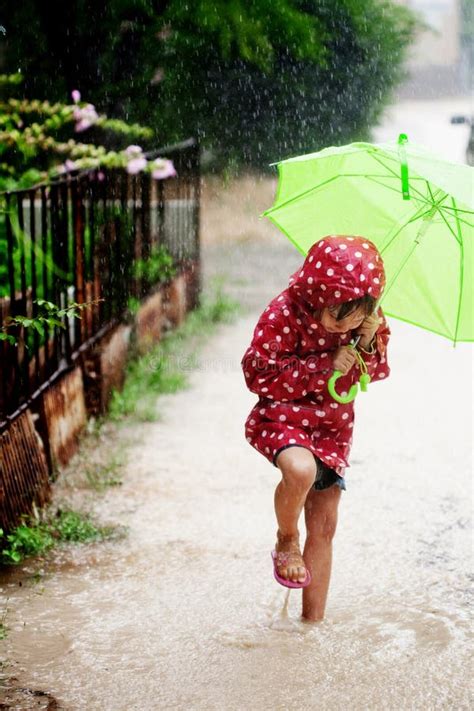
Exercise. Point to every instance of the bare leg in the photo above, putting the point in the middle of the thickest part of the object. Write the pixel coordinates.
(321, 521)
(298, 469)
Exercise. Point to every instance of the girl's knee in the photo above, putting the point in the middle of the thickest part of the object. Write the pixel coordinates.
(298, 470)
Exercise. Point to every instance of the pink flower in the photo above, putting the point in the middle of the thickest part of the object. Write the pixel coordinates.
(76, 95)
(85, 116)
(136, 165)
(70, 165)
(163, 168)
(133, 151)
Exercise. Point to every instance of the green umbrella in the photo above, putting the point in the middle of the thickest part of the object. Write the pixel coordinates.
(417, 208)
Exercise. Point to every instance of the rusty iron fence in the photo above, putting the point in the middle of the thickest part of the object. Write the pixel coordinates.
(77, 240)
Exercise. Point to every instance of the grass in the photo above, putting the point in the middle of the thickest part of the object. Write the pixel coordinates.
(164, 369)
(36, 537)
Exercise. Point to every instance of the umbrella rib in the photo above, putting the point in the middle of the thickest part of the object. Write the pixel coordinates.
(376, 158)
(414, 216)
(300, 195)
(461, 280)
(395, 190)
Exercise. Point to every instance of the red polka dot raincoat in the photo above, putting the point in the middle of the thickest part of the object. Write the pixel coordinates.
(290, 358)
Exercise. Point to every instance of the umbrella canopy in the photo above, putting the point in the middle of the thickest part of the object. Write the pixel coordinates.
(417, 208)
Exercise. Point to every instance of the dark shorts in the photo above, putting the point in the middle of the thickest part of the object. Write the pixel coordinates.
(325, 476)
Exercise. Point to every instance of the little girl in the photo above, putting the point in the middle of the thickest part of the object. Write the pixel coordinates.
(301, 337)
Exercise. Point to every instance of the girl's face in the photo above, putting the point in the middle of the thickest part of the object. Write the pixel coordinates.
(348, 323)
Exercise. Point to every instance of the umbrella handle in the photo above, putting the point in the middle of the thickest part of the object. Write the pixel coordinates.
(364, 380)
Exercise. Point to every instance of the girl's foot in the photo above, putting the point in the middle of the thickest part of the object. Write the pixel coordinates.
(289, 561)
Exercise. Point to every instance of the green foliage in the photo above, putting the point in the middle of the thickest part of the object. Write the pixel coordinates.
(34, 537)
(165, 368)
(49, 315)
(255, 80)
(36, 145)
(157, 268)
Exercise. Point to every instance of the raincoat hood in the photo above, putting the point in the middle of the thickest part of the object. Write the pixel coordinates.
(338, 268)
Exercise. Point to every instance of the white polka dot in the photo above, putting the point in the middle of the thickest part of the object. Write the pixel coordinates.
(278, 338)
(343, 246)
(345, 416)
(286, 312)
(349, 267)
(295, 373)
(280, 436)
(314, 325)
(310, 280)
(350, 239)
(310, 258)
(271, 317)
(264, 433)
(320, 413)
(358, 254)
(296, 409)
(267, 450)
(334, 405)
(330, 272)
(292, 441)
(362, 277)
(337, 294)
(371, 265)
(318, 264)
(264, 390)
(301, 273)
(320, 382)
(305, 422)
(356, 289)
(376, 280)
(252, 422)
(286, 329)
(249, 439)
(382, 375)
(262, 411)
(323, 287)
(265, 345)
(327, 250)
(365, 245)
(298, 321)
(291, 390)
(321, 341)
(321, 299)
(260, 332)
(312, 366)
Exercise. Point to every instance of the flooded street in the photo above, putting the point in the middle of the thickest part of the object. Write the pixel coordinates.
(184, 612)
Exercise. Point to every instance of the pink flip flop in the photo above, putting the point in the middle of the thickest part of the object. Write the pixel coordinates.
(282, 560)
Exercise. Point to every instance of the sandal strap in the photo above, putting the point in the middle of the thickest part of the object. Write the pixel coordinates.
(283, 558)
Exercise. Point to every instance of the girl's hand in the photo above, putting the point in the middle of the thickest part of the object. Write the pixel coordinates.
(344, 359)
(368, 329)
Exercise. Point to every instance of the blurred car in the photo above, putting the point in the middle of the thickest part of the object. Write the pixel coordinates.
(470, 144)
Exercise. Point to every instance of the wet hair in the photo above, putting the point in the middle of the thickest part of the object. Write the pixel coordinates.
(367, 302)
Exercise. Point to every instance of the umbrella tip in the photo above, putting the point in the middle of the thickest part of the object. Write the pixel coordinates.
(403, 138)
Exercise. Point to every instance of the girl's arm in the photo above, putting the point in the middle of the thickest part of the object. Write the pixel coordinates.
(272, 370)
(375, 357)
